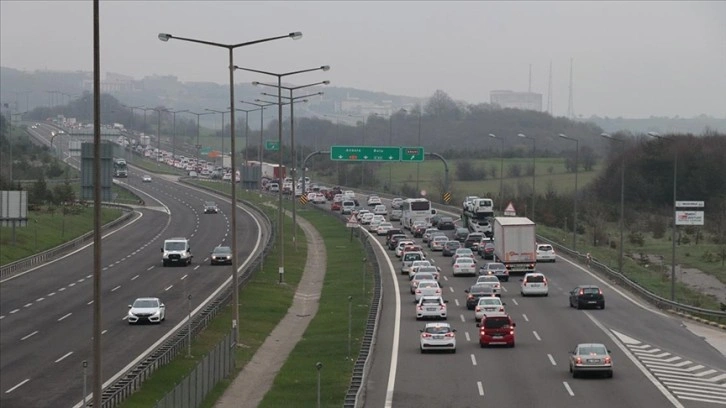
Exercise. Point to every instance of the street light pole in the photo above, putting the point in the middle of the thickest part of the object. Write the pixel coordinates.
(281, 268)
(247, 128)
(501, 169)
(390, 143)
(622, 195)
(198, 146)
(262, 107)
(221, 132)
(173, 133)
(534, 172)
(577, 165)
(230, 48)
(158, 134)
(418, 164)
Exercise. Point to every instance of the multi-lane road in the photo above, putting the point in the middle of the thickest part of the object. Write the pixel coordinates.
(46, 313)
(658, 362)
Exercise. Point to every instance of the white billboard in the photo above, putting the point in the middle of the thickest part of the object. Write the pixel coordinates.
(13, 208)
(689, 217)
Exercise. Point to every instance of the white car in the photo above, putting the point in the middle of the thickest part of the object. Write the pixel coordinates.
(427, 288)
(319, 198)
(366, 218)
(396, 215)
(488, 305)
(545, 253)
(418, 277)
(383, 228)
(149, 309)
(401, 245)
(437, 243)
(227, 177)
(374, 200)
(396, 203)
(415, 265)
(434, 270)
(361, 213)
(380, 210)
(491, 281)
(534, 283)
(349, 194)
(438, 336)
(431, 307)
(408, 258)
(462, 252)
(146, 178)
(464, 266)
(274, 188)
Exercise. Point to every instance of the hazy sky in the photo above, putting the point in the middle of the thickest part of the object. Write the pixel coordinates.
(631, 59)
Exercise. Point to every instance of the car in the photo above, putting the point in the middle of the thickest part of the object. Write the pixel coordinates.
(475, 292)
(383, 228)
(438, 336)
(491, 281)
(450, 247)
(418, 277)
(274, 188)
(496, 329)
(374, 200)
(380, 210)
(438, 242)
(221, 255)
(460, 234)
(146, 178)
(210, 207)
(393, 240)
(415, 265)
(433, 270)
(591, 358)
(488, 305)
(347, 207)
(534, 283)
(335, 206)
(375, 222)
(464, 266)
(227, 177)
(427, 288)
(194, 174)
(407, 259)
(146, 310)
(497, 269)
(427, 234)
(431, 307)
(318, 199)
(419, 229)
(472, 240)
(587, 296)
(435, 220)
(446, 223)
(545, 253)
(396, 203)
(465, 252)
(393, 231)
(486, 250)
(396, 214)
(402, 244)
(366, 218)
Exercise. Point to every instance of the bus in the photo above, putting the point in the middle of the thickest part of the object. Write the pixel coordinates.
(416, 209)
(119, 168)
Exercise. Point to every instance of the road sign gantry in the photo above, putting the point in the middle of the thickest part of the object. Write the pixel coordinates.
(376, 153)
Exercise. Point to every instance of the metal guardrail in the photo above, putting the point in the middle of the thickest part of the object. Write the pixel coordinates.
(131, 381)
(24, 264)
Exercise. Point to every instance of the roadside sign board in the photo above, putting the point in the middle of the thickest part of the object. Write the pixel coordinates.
(365, 153)
(272, 145)
(690, 204)
(352, 222)
(412, 154)
(510, 211)
(689, 217)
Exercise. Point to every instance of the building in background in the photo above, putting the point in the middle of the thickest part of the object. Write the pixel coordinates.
(517, 100)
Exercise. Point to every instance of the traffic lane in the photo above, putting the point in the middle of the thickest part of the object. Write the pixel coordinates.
(638, 321)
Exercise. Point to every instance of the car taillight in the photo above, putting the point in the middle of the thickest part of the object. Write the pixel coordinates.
(449, 335)
(438, 291)
(599, 292)
(496, 286)
(607, 360)
(501, 309)
(578, 360)
(545, 282)
(425, 335)
(470, 297)
(442, 307)
(478, 309)
(418, 290)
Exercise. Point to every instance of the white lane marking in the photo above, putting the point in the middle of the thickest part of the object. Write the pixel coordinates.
(65, 316)
(19, 384)
(451, 289)
(480, 387)
(134, 278)
(81, 280)
(446, 279)
(64, 356)
(197, 267)
(170, 286)
(504, 288)
(104, 332)
(51, 294)
(473, 360)
(91, 302)
(116, 288)
(463, 319)
(515, 302)
(184, 277)
(552, 359)
(569, 390)
(28, 305)
(466, 334)
(89, 276)
(29, 335)
(524, 316)
(40, 299)
(72, 284)
(61, 289)
(2, 317)
(14, 311)
(456, 301)
(536, 335)
(149, 268)
(686, 397)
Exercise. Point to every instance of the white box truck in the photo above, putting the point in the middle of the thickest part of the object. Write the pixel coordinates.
(515, 244)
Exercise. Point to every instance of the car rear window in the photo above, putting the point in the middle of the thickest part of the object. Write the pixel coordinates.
(591, 291)
(535, 279)
(412, 257)
(496, 322)
(545, 247)
(432, 301)
(437, 329)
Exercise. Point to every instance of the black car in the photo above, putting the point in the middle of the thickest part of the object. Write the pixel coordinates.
(446, 223)
(461, 234)
(472, 240)
(475, 292)
(418, 232)
(221, 255)
(587, 296)
(435, 220)
(486, 250)
(450, 247)
(392, 240)
(210, 207)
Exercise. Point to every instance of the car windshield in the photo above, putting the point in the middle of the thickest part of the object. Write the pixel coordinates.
(412, 257)
(453, 244)
(440, 238)
(174, 246)
(428, 268)
(222, 251)
(592, 350)
(463, 251)
(486, 279)
(496, 266)
(490, 301)
(146, 303)
(496, 322)
(437, 329)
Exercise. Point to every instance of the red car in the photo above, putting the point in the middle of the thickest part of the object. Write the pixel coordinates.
(335, 206)
(496, 329)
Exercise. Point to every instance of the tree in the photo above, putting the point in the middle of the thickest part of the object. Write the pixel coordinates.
(588, 158)
(39, 193)
(441, 105)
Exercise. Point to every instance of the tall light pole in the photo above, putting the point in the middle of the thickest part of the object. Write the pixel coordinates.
(247, 128)
(262, 107)
(622, 195)
(281, 268)
(673, 231)
(230, 48)
(534, 172)
(197, 146)
(158, 133)
(390, 143)
(145, 110)
(222, 131)
(501, 169)
(577, 165)
(173, 133)
(418, 164)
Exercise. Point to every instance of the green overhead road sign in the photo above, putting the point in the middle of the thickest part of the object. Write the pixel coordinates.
(273, 145)
(412, 154)
(376, 153)
(205, 151)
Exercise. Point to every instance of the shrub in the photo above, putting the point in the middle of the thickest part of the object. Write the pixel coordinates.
(636, 238)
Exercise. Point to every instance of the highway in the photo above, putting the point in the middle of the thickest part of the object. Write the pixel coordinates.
(657, 361)
(46, 314)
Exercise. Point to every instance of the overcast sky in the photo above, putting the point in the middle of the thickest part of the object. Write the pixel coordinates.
(631, 59)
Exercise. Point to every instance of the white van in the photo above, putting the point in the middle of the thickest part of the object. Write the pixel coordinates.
(176, 251)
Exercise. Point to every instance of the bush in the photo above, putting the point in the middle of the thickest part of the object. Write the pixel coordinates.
(657, 227)
(636, 238)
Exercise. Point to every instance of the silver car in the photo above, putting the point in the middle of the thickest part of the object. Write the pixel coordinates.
(591, 357)
(427, 288)
(431, 307)
(488, 305)
(148, 309)
(492, 282)
(438, 336)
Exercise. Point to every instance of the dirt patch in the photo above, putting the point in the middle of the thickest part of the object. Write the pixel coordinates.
(693, 277)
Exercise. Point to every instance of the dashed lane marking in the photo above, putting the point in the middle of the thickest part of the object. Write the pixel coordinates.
(64, 356)
(65, 316)
(552, 359)
(29, 335)
(480, 387)
(17, 386)
(473, 360)
(536, 335)
(568, 389)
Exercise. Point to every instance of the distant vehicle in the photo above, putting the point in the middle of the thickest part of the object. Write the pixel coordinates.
(433, 307)
(545, 253)
(488, 305)
(374, 200)
(475, 292)
(176, 251)
(221, 255)
(589, 358)
(120, 169)
(274, 188)
(464, 266)
(146, 310)
(416, 209)
(446, 223)
(438, 336)
(210, 207)
(514, 243)
(396, 203)
(450, 247)
(146, 178)
(496, 269)
(587, 296)
(396, 214)
(534, 283)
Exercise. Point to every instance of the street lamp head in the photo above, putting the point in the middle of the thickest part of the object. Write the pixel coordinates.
(296, 35)
(492, 135)
(562, 135)
(521, 135)
(654, 134)
(326, 82)
(325, 67)
(255, 83)
(164, 37)
(607, 135)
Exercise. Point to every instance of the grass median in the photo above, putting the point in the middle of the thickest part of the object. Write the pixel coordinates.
(264, 302)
